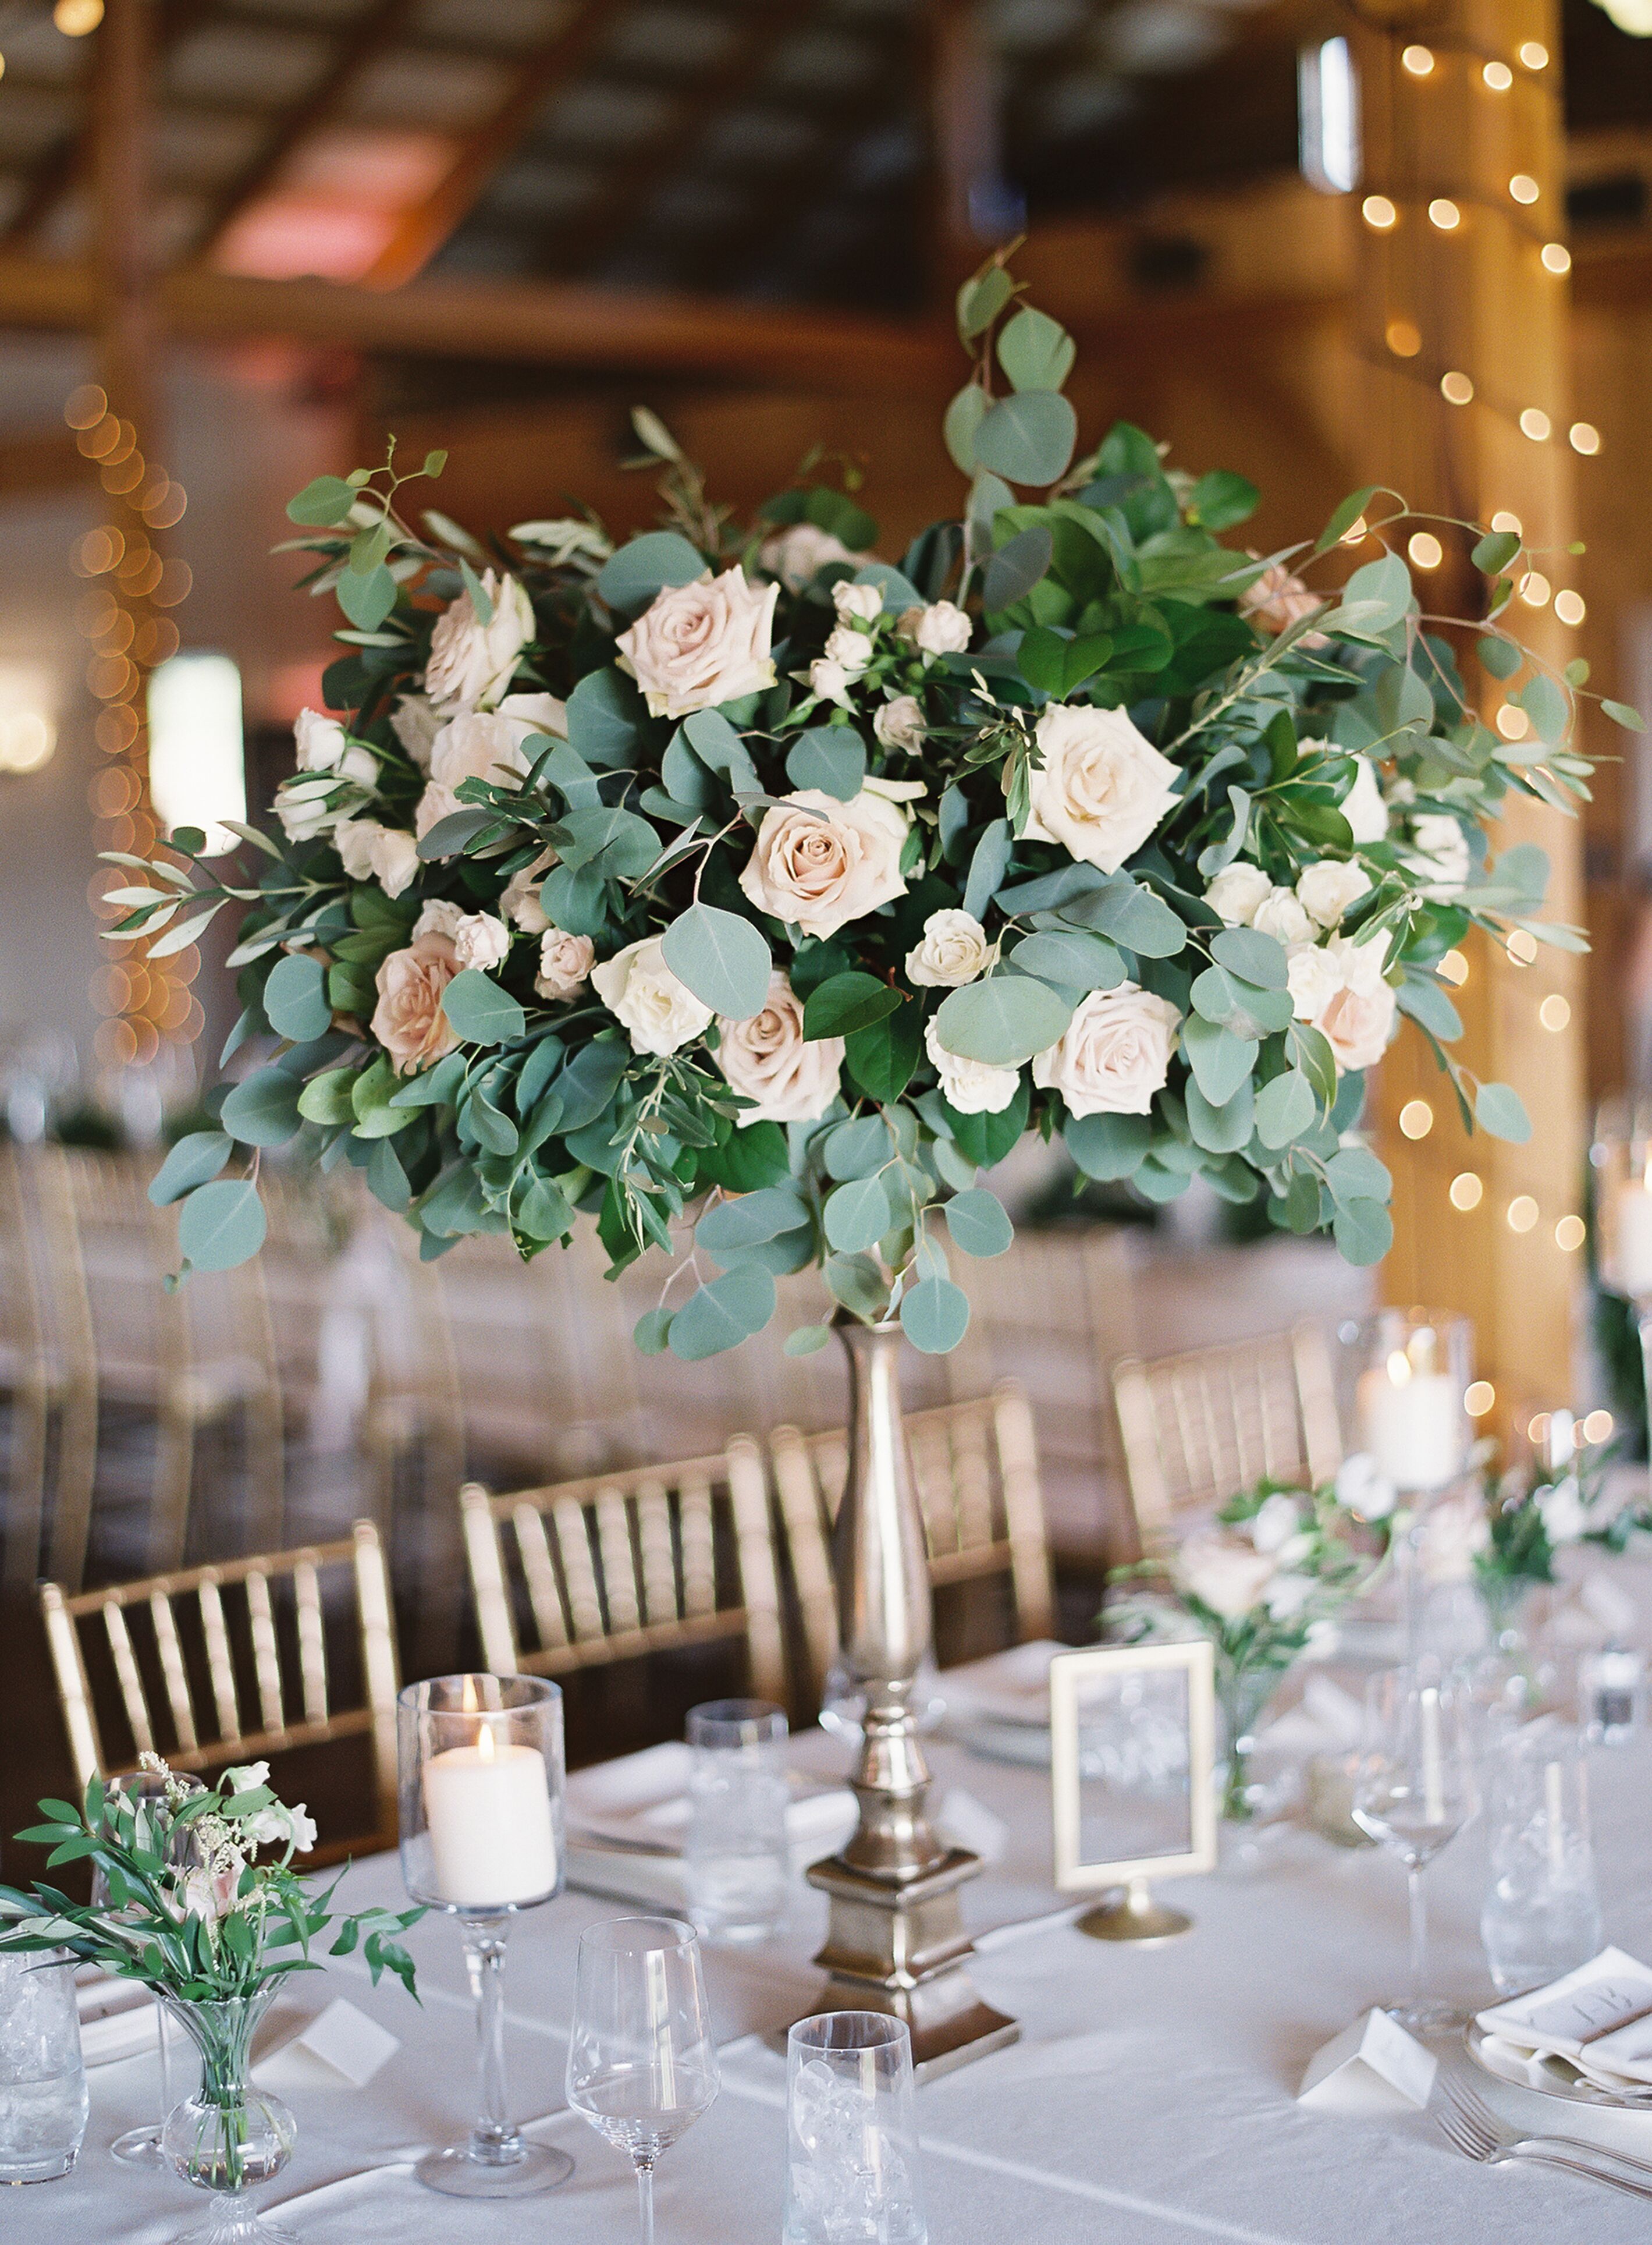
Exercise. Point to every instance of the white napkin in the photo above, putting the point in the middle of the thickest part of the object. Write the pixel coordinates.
(1598, 2017)
(1012, 1686)
(1327, 1720)
(117, 2018)
(339, 2045)
(644, 1796)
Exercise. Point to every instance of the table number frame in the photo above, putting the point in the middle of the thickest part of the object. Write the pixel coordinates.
(1069, 1672)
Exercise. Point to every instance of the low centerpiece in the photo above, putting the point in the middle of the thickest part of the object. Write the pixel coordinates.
(1263, 1584)
(186, 1907)
(747, 894)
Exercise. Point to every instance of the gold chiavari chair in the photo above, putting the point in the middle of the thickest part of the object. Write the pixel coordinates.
(976, 1467)
(648, 1559)
(46, 1368)
(256, 1631)
(1200, 1427)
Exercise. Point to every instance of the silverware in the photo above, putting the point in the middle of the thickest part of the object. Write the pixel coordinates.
(1481, 2140)
(1477, 2114)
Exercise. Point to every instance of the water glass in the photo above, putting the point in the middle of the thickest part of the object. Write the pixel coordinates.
(642, 2061)
(1414, 1794)
(1542, 1912)
(852, 2175)
(1611, 1694)
(737, 1861)
(43, 2084)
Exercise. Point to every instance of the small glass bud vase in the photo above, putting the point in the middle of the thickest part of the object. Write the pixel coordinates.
(229, 2137)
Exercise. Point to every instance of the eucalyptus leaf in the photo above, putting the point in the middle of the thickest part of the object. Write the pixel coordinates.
(845, 1003)
(858, 1215)
(1107, 1147)
(1027, 437)
(830, 757)
(1220, 1060)
(1500, 1109)
(722, 957)
(1002, 1022)
(221, 1224)
(639, 572)
(1073, 958)
(194, 1161)
(935, 1315)
(1035, 351)
(720, 1316)
(1016, 567)
(295, 998)
(1285, 1109)
(262, 1110)
(481, 1013)
(978, 1223)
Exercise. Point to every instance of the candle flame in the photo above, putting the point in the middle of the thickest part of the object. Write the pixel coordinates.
(1400, 1369)
(467, 1697)
(484, 1742)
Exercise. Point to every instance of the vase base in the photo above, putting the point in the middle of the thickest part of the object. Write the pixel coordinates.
(233, 2223)
(457, 2175)
(140, 2148)
(1135, 1916)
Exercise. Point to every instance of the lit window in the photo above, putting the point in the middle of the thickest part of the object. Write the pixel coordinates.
(1328, 117)
(197, 773)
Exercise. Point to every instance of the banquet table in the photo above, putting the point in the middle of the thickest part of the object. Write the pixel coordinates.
(1150, 2100)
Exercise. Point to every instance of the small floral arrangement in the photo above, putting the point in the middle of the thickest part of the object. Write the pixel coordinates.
(1263, 1585)
(748, 893)
(1513, 1526)
(187, 1907)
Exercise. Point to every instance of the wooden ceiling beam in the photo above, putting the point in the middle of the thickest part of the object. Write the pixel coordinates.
(556, 324)
(634, 182)
(421, 230)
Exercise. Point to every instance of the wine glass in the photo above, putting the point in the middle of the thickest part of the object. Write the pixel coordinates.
(480, 1761)
(1414, 1793)
(642, 2066)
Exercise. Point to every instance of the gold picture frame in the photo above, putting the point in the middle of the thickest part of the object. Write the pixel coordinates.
(1136, 1916)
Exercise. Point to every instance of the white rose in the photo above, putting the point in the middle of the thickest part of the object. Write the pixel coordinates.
(1113, 1054)
(1362, 806)
(353, 839)
(816, 872)
(1338, 988)
(1287, 1595)
(1566, 1517)
(388, 855)
(1237, 892)
(795, 554)
(659, 1012)
(954, 951)
(1103, 787)
(972, 1086)
(865, 601)
(697, 645)
(305, 816)
(1226, 1573)
(520, 902)
(564, 964)
(482, 941)
(1454, 1531)
(1275, 1521)
(415, 725)
(478, 745)
(941, 628)
(1440, 853)
(1362, 1489)
(899, 724)
(767, 1058)
(439, 916)
(472, 663)
(1327, 889)
(850, 649)
(322, 745)
(1281, 915)
(829, 681)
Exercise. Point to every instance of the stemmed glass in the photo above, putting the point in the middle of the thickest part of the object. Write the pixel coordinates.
(1414, 1793)
(141, 2147)
(481, 1768)
(642, 2066)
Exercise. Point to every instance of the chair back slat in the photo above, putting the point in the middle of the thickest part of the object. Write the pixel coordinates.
(174, 1674)
(1198, 1428)
(272, 1605)
(975, 1464)
(626, 1563)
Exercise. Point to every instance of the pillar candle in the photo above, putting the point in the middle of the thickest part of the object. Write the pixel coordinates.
(1632, 1239)
(1412, 1428)
(488, 1807)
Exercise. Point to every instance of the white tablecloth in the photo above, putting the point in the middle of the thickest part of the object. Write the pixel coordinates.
(1150, 2101)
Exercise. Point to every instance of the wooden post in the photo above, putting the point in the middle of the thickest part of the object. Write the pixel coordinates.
(1461, 333)
(117, 418)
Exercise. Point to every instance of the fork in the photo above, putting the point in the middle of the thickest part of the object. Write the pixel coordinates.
(1479, 2138)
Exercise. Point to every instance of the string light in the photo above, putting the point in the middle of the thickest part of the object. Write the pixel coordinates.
(74, 18)
(1466, 1190)
(1556, 257)
(1522, 946)
(1513, 724)
(1417, 60)
(1453, 968)
(1584, 438)
(1597, 1427)
(1569, 606)
(1534, 55)
(1444, 214)
(1403, 339)
(1569, 1238)
(1521, 1213)
(1504, 521)
(1416, 1118)
(1456, 388)
(1524, 188)
(1425, 549)
(1379, 212)
(1536, 425)
(1555, 1012)
(1479, 1397)
(1499, 76)
(1533, 589)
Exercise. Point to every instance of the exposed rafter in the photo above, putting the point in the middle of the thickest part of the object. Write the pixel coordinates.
(632, 184)
(421, 230)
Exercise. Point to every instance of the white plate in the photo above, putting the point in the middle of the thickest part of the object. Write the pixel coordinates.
(1548, 2076)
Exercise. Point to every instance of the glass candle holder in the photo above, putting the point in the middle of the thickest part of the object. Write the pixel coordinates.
(737, 1858)
(1408, 1416)
(480, 1759)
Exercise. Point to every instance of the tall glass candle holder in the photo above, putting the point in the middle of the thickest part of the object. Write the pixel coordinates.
(481, 1768)
(1410, 1418)
(1622, 1156)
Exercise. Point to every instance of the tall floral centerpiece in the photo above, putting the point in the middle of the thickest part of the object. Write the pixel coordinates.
(1263, 1584)
(748, 893)
(186, 1906)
